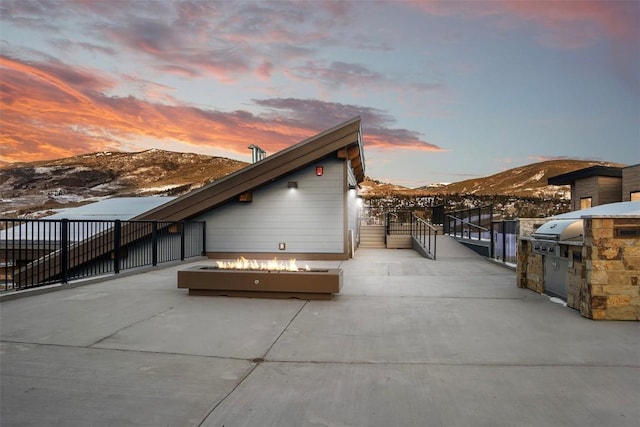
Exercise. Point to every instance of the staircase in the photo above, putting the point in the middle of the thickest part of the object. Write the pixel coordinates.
(372, 236)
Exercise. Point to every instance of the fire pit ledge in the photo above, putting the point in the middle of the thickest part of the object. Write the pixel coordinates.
(313, 284)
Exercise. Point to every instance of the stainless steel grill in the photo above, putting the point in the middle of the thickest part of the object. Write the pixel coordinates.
(560, 242)
(561, 230)
(550, 240)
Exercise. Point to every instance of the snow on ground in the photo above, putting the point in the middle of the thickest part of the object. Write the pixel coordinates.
(537, 177)
(556, 300)
(157, 189)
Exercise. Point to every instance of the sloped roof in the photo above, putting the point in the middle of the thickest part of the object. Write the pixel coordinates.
(103, 212)
(344, 140)
(571, 177)
(122, 208)
(616, 208)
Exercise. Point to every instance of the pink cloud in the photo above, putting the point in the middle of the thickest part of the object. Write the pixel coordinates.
(337, 74)
(377, 125)
(565, 24)
(264, 70)
(50, 110)
(355, 76)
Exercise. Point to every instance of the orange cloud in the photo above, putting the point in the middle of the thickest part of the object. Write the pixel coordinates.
(52, 111)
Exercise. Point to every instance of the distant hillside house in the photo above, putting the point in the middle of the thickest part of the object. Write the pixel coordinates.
(298, 203)
(631, 183)
(599, 185)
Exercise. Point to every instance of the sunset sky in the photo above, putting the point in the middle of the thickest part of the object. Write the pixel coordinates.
(446, 90)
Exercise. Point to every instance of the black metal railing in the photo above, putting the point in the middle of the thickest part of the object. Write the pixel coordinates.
(41, 252)
(499, 238)
(504, 242)
(472, 224)
(416, 225)
(398, 223)
(425, 235)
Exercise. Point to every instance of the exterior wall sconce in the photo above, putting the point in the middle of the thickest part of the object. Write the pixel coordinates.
(292, 184)
(319, 170)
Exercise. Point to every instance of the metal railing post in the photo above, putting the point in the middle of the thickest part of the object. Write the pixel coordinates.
(411, 224)
(181, 226)
(154, 243)
(435, 242)
(455, 227)
(504, 242)
(64, 250)
(492, 246)
(117, 231)
(387, 223)
(204, 239)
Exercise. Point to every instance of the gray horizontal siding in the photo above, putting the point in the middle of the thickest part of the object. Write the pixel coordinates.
(309, 219)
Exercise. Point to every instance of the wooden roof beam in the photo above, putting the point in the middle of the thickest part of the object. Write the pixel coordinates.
(350, 152)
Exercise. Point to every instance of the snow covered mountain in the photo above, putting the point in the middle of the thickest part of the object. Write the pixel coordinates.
(36, 188)
(46, 185)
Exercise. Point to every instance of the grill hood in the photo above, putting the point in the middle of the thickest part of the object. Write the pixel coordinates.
(561, 230)
(569, 226)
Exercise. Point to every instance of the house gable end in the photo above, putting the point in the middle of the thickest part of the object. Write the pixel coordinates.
(345, 137)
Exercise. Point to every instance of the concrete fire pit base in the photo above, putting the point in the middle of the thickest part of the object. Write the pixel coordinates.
(313, 284)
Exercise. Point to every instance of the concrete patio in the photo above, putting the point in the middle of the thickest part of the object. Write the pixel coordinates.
(408, 342)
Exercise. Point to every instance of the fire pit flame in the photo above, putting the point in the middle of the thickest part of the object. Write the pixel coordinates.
(272, 265)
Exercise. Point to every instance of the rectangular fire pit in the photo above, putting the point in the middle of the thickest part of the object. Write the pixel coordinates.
(304, 284)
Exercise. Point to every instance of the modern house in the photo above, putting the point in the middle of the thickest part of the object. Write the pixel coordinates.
(300, 202)
(599, 185)
(631, 183)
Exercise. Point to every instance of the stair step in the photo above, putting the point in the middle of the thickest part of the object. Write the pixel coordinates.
(372, 245)
(372, 236)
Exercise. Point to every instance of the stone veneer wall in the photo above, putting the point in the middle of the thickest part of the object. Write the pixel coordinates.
(526, 226)
(603, 279)
(612, 268)
(529, 272)
(576, 277)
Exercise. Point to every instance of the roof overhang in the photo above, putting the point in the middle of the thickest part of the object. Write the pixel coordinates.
(343, 141)
(571, 177)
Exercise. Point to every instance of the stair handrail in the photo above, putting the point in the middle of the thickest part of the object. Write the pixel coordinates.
(425, 234)
(471, 224)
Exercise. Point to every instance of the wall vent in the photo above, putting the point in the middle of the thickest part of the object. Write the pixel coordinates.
(627, 232)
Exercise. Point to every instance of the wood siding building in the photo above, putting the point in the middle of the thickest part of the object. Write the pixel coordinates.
(595, 191)
(593, 186)
(631, 183)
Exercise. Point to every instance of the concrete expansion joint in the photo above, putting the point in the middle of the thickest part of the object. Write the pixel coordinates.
(125, 350)
(283, 330)
(260, 360)
(427, 297)
(226, 396)
(453, 364)
(255, 362)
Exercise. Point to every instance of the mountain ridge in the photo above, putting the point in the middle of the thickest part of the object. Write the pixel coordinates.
(41, 186)
(50, 184)
(524, 181)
